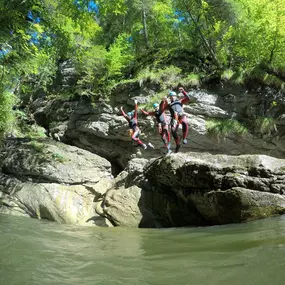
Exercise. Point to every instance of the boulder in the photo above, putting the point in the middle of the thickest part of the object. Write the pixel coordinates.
(196, 189)
(46, 179)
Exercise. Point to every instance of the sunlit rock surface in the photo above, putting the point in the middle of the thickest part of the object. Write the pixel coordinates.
(49, 180)
(196, 189)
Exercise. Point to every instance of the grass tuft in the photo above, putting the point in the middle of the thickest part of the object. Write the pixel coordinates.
(154, 99)
(221, 128)
(193, 79)
(227, 74)
(165, 77)
(264, 126)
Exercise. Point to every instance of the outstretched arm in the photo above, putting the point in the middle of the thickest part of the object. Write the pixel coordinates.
(124, 114)
(136, 109)
(161, 106)
(181, 89)
(147, 113)
(187, 97)
(164, 104)
(144, 112)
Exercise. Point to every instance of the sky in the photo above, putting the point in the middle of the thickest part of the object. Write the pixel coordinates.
(92, 7)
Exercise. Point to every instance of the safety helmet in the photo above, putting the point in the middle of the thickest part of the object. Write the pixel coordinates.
(172, 93)
(155, 105)
(130, 114)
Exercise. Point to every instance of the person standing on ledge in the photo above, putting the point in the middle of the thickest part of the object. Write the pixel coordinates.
(161, 124)
(175, 106)
(134, 130)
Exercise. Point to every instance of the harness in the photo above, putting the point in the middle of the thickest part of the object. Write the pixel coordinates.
(133, 124)
(175, 108)
(176, 112)
(159, 117)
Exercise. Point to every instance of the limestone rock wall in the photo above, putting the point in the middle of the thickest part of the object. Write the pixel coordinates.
(91, 172)
(46, 179)
(196, 189)
(101, 129)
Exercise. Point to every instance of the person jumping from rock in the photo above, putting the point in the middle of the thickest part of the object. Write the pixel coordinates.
(134, 130)
(161, 124)
(177, 116)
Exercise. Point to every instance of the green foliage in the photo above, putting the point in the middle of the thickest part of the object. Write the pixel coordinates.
(58, 157)
(112, 7)
(44, 154)
(119, 55)
(32, 132)
(24, 126)
(240, 39)
(92, 65)
(193, 79)
(39, 147)
(99, 68)
(227, 74)
(169, 76)
(223, 127)
(36, 132)
(256, 36)
(7, 101)
(263, 126)
(261, 76)
(154, 99)
(166, 77)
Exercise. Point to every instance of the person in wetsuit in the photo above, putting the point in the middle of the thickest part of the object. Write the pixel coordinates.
(161, 124)
(134, 130)
(175, 107)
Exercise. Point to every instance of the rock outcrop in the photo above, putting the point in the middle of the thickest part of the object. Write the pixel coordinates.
(46, 179)
(49, 180)
(101, 129)
(196, 189)
(104, 179)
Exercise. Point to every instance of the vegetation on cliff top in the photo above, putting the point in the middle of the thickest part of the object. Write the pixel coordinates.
(109, 41)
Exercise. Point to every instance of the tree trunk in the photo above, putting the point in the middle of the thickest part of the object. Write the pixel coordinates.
(204, 41)
(275, 36)
(145, 32)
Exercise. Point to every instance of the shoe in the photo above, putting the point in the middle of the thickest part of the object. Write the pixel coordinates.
(169, 152)
(144, 146)
(185, 141)
(150, 145)
(177, 148)
(169, 146)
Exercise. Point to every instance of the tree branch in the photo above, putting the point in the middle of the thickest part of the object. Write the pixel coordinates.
(3, 67)
(204, 41)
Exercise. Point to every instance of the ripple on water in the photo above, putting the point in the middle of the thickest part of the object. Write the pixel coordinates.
(39, 252)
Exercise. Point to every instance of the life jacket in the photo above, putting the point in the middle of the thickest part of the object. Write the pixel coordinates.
(175, 107)
(133, 123)
(159, 117)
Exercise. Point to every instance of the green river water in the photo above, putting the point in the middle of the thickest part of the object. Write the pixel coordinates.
(41, 252)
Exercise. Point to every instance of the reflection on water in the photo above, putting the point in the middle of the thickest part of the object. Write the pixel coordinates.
(39, 252)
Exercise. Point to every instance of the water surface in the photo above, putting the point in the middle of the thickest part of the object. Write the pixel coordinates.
(41, 252)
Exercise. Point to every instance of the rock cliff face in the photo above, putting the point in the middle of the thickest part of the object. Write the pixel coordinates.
(101, 129)
(48, 180)
(196, 189)
(91, 173)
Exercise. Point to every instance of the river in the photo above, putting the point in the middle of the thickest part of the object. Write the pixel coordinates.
(41, 252)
